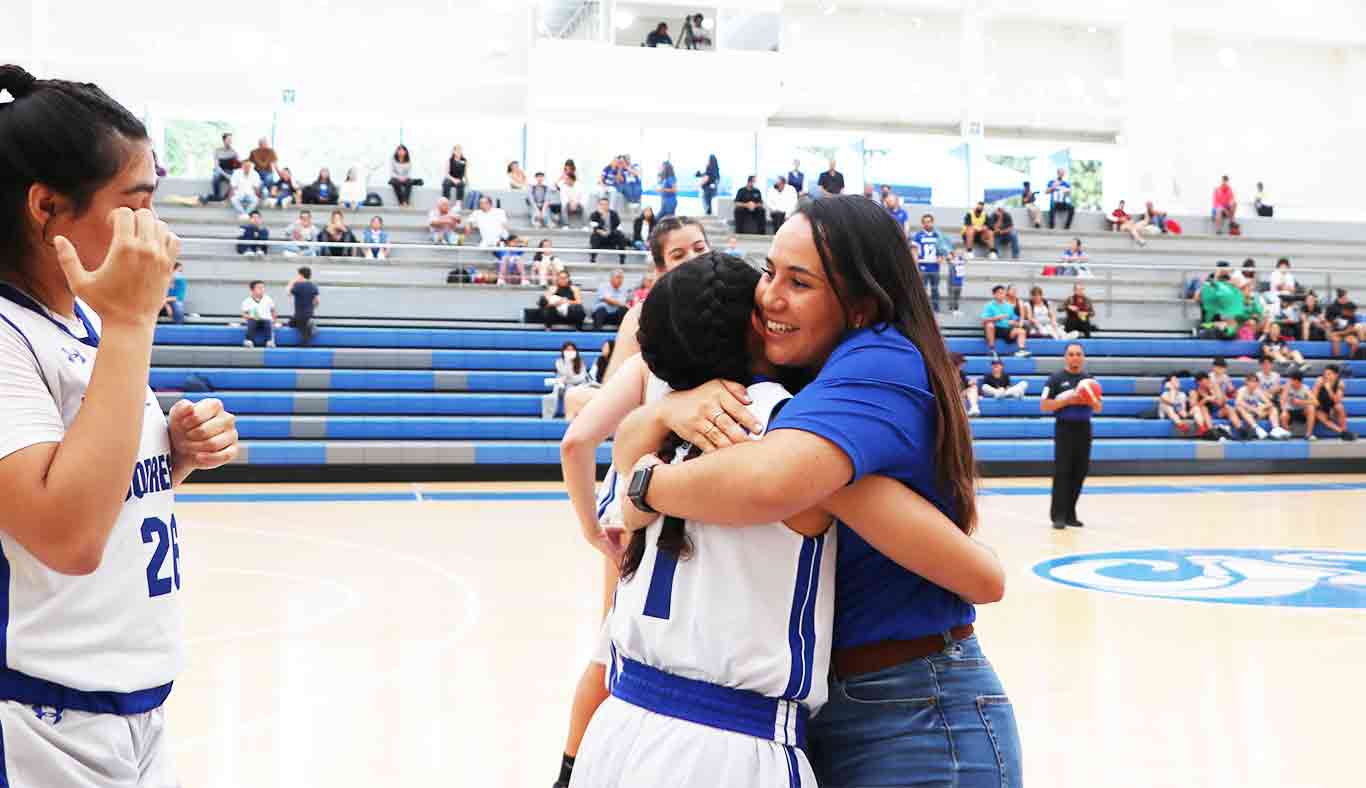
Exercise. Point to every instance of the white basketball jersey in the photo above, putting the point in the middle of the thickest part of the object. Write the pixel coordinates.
(749, 608)
(118, 629)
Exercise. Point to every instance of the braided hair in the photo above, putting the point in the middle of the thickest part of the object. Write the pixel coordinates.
(694, 327)
(69, 136)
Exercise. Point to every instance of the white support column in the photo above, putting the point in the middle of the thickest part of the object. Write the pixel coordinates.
(1150, 135)
(972, 59)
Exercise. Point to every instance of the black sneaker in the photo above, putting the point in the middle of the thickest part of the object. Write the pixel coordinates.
(1348, 435)
(1077, 524)
(1059, 525)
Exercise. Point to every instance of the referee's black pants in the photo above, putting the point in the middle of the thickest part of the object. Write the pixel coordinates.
(1071, 461)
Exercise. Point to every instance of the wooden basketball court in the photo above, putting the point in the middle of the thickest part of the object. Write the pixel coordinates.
(432, 634)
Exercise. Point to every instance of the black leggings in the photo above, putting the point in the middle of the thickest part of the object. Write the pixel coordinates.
(1071, 462)
(403, 190)
(459, 188)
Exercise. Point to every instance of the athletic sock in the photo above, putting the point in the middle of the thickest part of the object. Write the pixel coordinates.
(566, 769)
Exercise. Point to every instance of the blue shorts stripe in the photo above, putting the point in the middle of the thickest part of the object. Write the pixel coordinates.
(795, 644)
(794, 769)
(809, 618)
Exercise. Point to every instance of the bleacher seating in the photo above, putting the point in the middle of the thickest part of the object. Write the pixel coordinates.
(461, 398)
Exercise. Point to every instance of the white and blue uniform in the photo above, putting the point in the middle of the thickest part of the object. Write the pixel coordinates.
(718, 659)
(85, 661)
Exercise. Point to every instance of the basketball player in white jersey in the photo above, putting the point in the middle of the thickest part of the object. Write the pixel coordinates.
(721, 636)
(90, 560)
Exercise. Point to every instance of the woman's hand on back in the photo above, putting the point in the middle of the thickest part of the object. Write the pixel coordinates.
(129, 288)
(712, 416)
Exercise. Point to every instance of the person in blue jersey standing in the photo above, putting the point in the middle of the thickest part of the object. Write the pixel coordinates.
(842, 299)
(1071, 435)
(925, 246)
(1060, 199)
(89, 545)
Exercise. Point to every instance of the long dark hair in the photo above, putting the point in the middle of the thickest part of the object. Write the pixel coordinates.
(694, 326)
(578, 357)
(407, 157)
(663, 227)
(69, 136)
(604, 360)
(865, 256)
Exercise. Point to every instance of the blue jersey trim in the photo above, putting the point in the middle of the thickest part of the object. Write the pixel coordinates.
(17, 296)
(30, 691)
(794, 769)
(726, 708)
(4, 613)
(611, 482)
(4, 772)
(659, 598)
(799, 644)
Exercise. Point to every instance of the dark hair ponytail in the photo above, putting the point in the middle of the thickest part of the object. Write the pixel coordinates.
(666, 225)
(694, 326)
(69, 136)
(866, 258)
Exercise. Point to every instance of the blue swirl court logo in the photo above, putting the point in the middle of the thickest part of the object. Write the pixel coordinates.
(1286, 578)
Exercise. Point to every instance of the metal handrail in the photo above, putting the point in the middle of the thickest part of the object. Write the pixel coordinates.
(473, 248)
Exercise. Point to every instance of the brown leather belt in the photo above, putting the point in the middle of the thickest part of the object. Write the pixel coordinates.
(872, 657)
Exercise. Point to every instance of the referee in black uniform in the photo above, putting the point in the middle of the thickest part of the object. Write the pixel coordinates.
(1071, 436)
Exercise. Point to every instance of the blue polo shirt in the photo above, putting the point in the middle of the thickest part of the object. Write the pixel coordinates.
(1003, 312)
(873, 400)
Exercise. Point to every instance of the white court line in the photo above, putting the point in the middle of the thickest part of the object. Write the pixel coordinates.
(352, 599)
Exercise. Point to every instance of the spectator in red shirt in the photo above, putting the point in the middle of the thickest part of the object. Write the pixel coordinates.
(1121, 221)
(1225, 206)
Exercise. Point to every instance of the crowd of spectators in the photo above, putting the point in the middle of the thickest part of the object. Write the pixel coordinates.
(1266, 405)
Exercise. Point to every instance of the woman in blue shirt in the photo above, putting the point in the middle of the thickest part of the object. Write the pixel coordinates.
(668, 190)
(912, 698)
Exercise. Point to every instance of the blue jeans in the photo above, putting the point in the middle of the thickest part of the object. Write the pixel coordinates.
(942, 720)
(932, 282)
(1013, 238)
(708, 194)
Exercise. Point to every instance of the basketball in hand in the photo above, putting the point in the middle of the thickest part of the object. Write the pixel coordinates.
(1089, 391)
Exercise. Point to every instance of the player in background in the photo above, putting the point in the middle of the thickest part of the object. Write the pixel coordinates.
(91, 557)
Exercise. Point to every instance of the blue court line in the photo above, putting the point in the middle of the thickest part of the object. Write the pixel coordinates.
(551, 495)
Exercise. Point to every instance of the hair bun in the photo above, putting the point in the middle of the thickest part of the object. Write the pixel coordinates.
(16, 80)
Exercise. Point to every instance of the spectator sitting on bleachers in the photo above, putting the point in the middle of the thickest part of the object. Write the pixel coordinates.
(283, 191)
(967, 386)
(1259, 202)
(1018, 304)
(1312, 326)
(1298, 403)
(173, 308)
(299, 233)
(1074, 260)
(1002, 225)
(352, 194)
(1225, 208)
(401, 177)
(1222, 395)
(613, 301)
(1203, 405)
(1172, 405)
(997, 384)
(1080, 313)
(516, 176)
(1340, 319)
(454, 179)
(562, 303)
(571, 197)
(1121, 221)
(647, 283)
(254, 230)
(1152, 216)
(510, 268)
(258, 313)
(659, 37)
(545, 266)
(1278, 349)
(831, 181)
(570, 373)
(337, 231)
(225, 163)
(322, 191)
(1000, 319)
(1040, 319)
(733, 247)
(538, 201)
(1282, 281)
(976, 230)
(1268, 377)
(1245, 279)
(306, 299)
(245, 190)
(749, 209)
(1060, 199)
(642, 227)
(265, 160)
(444, 223)
(1030, 200)
(633, 190)
(378, 237)
(1254, 404)
(782, 203)
(606, 224)
(1331, 412)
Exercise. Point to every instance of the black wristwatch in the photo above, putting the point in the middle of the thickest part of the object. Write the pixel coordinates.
(640, 485)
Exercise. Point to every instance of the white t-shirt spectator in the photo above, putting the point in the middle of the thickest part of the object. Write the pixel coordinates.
(492, 225)
(258, 310)
(353, 191)
(1282, 281)
(570, 194)
(243, 181)
(784, 202)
